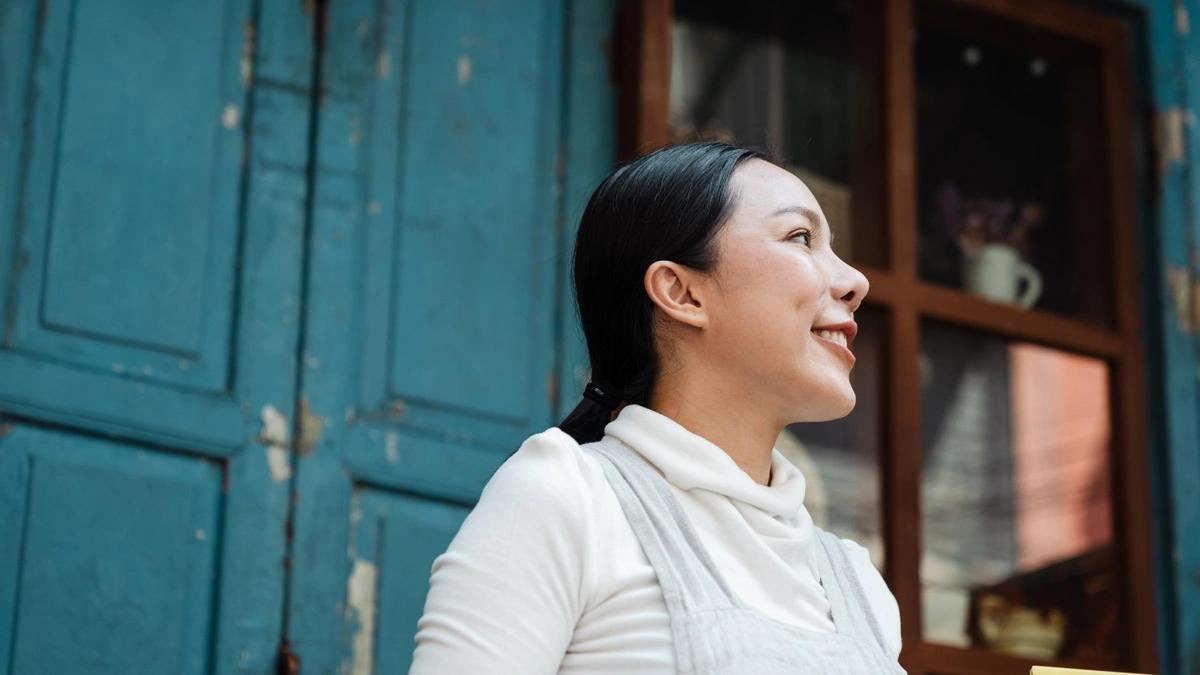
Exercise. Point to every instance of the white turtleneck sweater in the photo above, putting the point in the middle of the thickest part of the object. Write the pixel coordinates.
(547, 576)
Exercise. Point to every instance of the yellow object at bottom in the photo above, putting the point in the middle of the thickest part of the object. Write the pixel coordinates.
(1051, 670)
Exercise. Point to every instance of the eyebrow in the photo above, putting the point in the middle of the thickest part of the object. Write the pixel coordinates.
(812, 215)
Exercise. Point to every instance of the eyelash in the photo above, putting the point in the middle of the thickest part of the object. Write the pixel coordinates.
(808, 232)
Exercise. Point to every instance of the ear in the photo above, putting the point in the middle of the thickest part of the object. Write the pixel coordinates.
(677, 291)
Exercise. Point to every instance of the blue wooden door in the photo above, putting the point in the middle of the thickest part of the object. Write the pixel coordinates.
(456, 142)
(152, 205)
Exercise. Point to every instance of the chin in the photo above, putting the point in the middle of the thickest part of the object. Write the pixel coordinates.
(836, 403)
(826, 407)
(847, 407)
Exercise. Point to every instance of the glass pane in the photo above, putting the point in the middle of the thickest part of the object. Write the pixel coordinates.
(840, 458)
(801, 80)
(1017, 551)
(1011, 164)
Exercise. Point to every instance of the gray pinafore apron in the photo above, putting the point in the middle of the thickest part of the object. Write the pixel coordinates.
(713, 633)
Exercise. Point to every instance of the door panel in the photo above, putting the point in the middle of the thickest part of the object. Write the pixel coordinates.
(150, 276)
(433, 346)
(459, 272)
(132, 173)
(152, 260)
(123, 185)
(394, 539)
(471, 265)
(107, 539)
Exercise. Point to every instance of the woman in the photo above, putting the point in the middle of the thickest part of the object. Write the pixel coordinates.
(657, 529)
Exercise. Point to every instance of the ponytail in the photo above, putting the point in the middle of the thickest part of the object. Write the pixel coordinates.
(587, 421)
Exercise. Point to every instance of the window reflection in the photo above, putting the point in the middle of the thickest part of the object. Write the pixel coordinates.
(1016, 501)
(1011, 161)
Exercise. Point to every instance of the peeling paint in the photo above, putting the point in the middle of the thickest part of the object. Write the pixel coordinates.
(277, 460)
(274, 427)
(361, 595)
(274, 435)
(383, 64)
(464, 69)
(1185, 298)
(373, 208)
(231, 116)
(246, 60)
(312, 427)
(1169, 138)
(393, 447)
(1182, 23)
(200, 535)
(118, 368)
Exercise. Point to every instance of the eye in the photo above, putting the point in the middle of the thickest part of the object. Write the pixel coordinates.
(805, 233)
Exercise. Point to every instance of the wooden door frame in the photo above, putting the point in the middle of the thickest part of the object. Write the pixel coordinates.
(643, 69)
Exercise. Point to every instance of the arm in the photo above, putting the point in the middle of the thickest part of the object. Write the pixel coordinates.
(507, 593)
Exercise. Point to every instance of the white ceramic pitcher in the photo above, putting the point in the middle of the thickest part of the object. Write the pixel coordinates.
(996, 273)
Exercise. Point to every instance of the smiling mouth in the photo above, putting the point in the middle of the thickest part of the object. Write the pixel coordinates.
(836, 341)
(833, 336)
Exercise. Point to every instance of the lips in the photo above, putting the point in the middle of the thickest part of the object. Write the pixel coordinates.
(847, 328)
(836, 347)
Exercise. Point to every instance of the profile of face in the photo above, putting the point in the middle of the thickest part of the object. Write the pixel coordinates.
(753, 320)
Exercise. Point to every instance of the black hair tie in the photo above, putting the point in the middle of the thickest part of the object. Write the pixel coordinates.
(600, 396)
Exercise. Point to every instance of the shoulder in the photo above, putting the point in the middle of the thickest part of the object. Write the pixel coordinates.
(548, 466)
(546, 489)
(544, 508)
(881, 601)
(507, 593)
(532, 520)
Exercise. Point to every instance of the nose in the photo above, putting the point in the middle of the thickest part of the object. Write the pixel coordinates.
(849, 285)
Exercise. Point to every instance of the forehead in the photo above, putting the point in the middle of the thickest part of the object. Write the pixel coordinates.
(763, 188)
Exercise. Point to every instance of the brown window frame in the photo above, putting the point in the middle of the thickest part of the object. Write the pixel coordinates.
(643, 72)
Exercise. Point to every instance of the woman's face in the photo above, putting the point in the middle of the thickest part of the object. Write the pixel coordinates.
(777, 280)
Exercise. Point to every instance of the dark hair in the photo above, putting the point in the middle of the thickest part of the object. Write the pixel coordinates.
(666, 205)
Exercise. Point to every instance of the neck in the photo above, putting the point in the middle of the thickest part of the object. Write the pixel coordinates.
(721, 414)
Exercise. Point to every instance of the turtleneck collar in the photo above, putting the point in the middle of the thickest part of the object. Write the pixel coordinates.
(691, 462)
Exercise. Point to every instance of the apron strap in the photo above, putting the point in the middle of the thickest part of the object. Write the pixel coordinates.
(687, 575)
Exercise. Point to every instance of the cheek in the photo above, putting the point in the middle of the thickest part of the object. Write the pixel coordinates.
(778, 277)
(769, 298)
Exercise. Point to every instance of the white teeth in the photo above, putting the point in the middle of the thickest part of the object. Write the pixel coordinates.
(834, 335)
